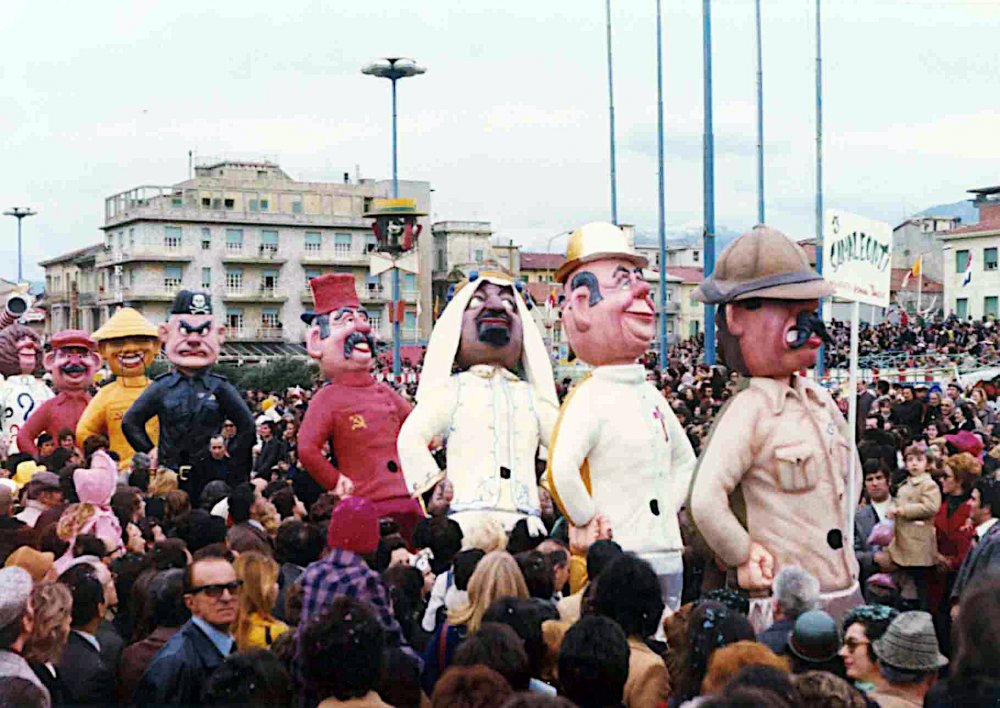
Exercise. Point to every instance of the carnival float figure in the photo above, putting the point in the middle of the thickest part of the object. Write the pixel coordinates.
(191, 402)
(619, 457)
(771, 483)
(21, 394)
(358, 416)
(72, 363)
(487, 390)
(128, 343)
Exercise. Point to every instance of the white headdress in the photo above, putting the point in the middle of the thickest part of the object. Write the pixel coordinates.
(443, 345)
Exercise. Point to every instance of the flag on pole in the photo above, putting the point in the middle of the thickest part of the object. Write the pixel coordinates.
(912, 272)
(968, 271)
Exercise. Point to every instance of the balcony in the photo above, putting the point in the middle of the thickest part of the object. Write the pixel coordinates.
(249, 256)
(256, 334)
(260, 294)
(155, 293)
(377, 294)
(672, 308)
(335, 256)
(140, 254)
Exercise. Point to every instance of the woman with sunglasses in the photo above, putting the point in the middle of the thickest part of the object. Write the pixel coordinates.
(862, 626)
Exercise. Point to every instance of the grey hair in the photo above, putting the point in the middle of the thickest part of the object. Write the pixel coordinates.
(796, 591)
(141, 461)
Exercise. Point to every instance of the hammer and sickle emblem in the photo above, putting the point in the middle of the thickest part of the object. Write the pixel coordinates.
(358, 422)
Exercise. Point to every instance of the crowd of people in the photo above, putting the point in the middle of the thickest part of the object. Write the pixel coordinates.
(260, 588)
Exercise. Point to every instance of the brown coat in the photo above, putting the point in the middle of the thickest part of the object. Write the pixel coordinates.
(136, 657)
(787, 449)
(247, 537)
(915, 541)
(648, 681)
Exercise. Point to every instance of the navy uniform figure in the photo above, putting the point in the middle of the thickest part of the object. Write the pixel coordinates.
(190, 401)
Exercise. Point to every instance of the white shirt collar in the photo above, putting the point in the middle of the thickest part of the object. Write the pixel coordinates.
(985, 526)
(91, 639)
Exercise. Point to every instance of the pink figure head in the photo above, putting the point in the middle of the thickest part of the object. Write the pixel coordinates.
(765, 330)
(72, 361)
(192, 342)
(97, 485)
(340, 335)
(608, 313)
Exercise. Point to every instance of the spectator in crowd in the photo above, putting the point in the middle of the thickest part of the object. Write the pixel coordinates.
(600, 555)
(43, 492)
(246, 534)
(340, 651)
(729, 660)
(254, 679)
(168, 613)
(497, 647)
(628, 593)
(255, 626)
(53, 605)
(16, 622)
(814, 644)
(496, 576)
(820, 688)
(594, 663)
(795, 591)
(297, 544)
(178, 673)
(908, 659)
(870, 514)
(984, 558)
(863, 626)
(710, 626)
(471, 687)
(88, 678)
(914, 543)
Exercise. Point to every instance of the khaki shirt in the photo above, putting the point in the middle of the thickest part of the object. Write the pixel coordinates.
(787, 448)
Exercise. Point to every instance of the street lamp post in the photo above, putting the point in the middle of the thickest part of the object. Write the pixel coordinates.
(394, 69)
(19, 213)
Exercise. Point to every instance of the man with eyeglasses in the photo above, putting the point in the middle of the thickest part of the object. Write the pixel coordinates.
(183, 666)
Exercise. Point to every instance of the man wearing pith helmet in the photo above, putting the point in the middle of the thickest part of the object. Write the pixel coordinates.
(781, 443)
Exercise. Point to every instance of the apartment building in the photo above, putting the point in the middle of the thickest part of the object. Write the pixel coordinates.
(971, 273)
(71, 290)
(253, 237)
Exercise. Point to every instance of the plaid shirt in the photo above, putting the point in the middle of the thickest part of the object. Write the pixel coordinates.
(344, 573)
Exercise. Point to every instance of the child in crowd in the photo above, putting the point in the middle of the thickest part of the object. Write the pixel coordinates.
(914, 545)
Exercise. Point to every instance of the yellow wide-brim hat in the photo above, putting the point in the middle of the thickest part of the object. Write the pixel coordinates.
(127, 322)
(594, 242)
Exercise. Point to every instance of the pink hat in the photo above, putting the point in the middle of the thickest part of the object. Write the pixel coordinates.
(96, 485)
(965, 441)
(353, 526)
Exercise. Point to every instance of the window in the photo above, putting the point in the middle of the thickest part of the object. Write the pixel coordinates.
(696, 255)
(441, 264)
(171, 277)
(234, 321)
(374, 285)
(269, 319)
(375, 319)
(263, 205)
(962, 308)
(269, 281)
(961, 261)
(253, 205)
(121, 239)
(234, 240)
(410, 320)
(342, 244)
(206, 239)
(371, 244)
(989, 258)
(990, 307)
(131, 238)
(176, 201)
(314, 241)
(216, 203)
(206, 202)
(409, 283)
(296, 207)
(234, 280)
(479, 255)
(230, 203)
(206, 278)
(311, 273)
(172, 238)
(268, 242)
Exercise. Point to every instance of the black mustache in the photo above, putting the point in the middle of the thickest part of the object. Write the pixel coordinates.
(491, 333)
(806, 324)
(73, 369)
(357, 338)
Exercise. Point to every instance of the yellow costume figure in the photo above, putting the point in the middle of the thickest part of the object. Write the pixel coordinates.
(128, 342)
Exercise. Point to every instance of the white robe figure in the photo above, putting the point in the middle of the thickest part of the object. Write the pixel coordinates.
(20, 396)
(492, 421)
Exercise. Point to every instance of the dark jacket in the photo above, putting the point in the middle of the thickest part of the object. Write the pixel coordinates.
(270, 455)
(136, 658)
(983, 559)
(52, 682)
(287, 576)
(87, 678)
(111, 643)
(178, 673)
(864, 521)
(775, 637)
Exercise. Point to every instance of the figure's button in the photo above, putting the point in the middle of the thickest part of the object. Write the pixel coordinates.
(654, 506)
(393, 467)
(505, 473)
(835, 539)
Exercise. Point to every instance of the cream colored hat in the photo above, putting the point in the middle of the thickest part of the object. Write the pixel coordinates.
(127, 322)
(594, 241)
(762, 263)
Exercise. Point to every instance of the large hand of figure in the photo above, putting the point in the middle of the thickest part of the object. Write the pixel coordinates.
(757, 573)
(536, 527)
(344, 486)
(581, 537)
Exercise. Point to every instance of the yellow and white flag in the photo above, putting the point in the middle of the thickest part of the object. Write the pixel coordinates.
(912, 272)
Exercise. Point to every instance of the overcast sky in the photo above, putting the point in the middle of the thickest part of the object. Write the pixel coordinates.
(510, 122)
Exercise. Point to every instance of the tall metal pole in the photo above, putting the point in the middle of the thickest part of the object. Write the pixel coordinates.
(611, 117)
(397, 326)
(19, 213)
(662, 193)
(760, 118)
(709, 180)
(820, 360)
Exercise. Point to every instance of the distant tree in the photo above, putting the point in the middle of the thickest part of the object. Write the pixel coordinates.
(279, 375)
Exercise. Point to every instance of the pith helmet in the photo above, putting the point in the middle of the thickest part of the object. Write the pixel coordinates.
(593, 242)
(762, 263)
(127, 322)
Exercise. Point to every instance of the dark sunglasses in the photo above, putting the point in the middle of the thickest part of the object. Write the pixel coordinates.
(215, 591)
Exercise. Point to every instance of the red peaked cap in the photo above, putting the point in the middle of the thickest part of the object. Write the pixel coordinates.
(332, 292)
(73, 338)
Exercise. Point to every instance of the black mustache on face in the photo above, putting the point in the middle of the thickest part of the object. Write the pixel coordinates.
(806, 324)
(355, 339)
(490, 333)
(73, 368)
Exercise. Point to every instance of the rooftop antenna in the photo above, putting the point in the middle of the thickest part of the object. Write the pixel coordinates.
(190, 164)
